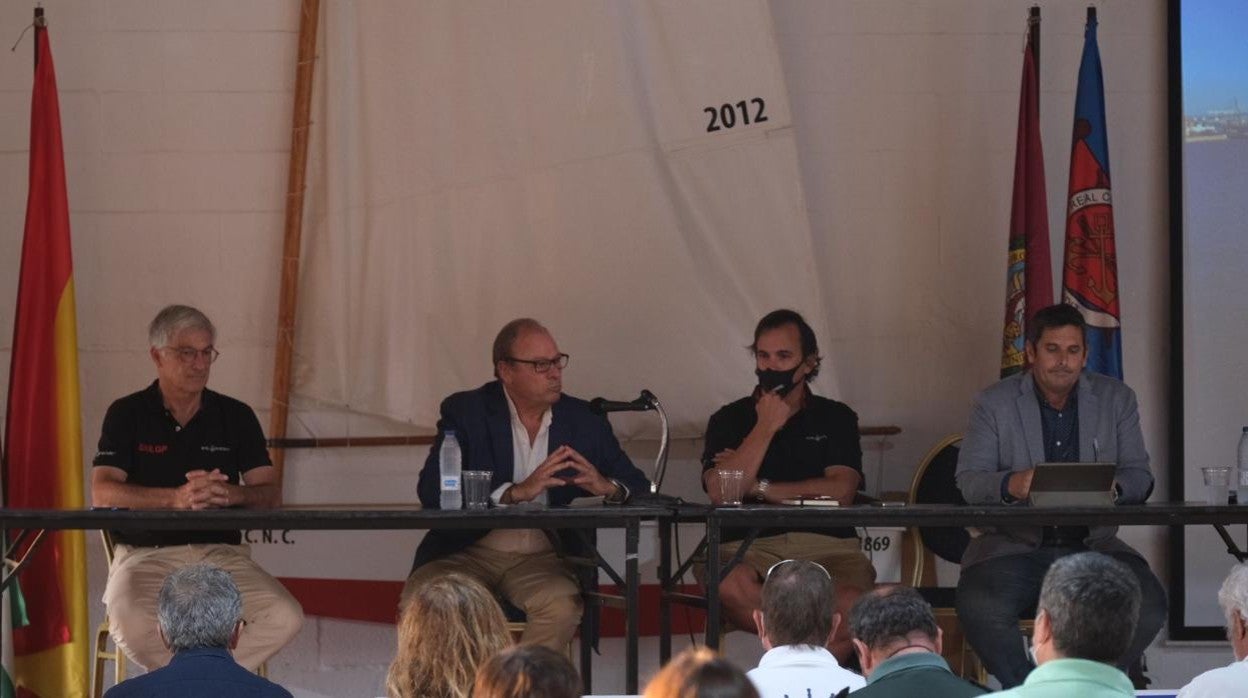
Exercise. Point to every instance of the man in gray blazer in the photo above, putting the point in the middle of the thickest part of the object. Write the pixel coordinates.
(1054, 412)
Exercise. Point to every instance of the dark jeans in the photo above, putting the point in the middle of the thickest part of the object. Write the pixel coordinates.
(994, 594)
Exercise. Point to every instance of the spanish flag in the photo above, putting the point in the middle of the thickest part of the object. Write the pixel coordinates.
(43, 465)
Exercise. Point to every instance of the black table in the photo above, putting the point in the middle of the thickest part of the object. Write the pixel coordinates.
(755, 517)
(30, 525)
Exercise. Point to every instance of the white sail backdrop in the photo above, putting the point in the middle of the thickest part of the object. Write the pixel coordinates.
(474, 162)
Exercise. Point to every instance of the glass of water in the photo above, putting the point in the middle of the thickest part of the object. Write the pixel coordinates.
(1217, 484)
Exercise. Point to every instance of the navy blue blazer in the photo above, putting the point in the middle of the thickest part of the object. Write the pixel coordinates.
(481, 421)
(200, 673)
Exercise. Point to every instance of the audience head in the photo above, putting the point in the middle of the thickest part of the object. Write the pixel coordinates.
(449, 626)
(199, 607)
(699, 672)
(890, 622)
(1233, 597)
(527, 671)
(1089, 606)
(798, 606)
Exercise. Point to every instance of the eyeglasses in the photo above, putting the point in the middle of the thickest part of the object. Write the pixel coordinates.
(187, 355)
(542, 365)
(782, 562)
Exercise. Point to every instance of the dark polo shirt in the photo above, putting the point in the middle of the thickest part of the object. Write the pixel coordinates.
(821, 434)
(142, 438)
(920, 674)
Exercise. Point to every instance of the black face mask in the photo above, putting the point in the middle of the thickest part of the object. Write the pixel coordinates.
(770, 379)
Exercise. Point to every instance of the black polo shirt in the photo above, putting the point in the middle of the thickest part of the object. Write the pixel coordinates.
(821, 434)
(142, 438)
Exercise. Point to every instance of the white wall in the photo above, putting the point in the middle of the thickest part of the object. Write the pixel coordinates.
(176, 121)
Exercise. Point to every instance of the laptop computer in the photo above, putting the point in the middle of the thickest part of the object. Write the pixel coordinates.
(1073, 484)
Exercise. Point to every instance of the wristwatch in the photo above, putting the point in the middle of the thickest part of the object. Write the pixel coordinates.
(760, 489)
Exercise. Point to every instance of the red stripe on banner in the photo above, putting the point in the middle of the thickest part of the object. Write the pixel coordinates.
(377, 602)
(33, 446)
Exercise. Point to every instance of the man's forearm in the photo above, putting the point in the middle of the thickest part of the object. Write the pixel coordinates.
(126, 496)
(748, 457)
(840, 486)
(255, 496)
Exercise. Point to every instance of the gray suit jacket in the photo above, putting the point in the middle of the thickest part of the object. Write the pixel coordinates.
(1005, 435)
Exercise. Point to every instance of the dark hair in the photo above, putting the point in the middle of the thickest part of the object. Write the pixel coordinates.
(887, 616)
(779, 318)
(527, 671)
(1093, 604)
(699, 672)
(798, 604)
(1060, 315)
(506, 338)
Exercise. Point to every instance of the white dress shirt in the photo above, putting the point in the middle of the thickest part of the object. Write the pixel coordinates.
(526, 456)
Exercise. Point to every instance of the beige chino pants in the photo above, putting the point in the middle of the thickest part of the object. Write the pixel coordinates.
(540, 584)
(271, 616)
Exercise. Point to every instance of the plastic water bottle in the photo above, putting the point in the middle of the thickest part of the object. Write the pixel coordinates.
(452, 463)
(1242, 488)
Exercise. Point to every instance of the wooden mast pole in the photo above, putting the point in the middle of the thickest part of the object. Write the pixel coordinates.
(296, 183)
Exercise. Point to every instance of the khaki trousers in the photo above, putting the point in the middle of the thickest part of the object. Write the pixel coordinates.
(271, 615)
(540, 584)
(841, 557)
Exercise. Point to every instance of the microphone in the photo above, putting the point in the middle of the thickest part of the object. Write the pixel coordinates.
(645, 402)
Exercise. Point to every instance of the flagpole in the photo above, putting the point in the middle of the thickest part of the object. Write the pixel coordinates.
(39, 23)
(288, 292)
(1033, 35)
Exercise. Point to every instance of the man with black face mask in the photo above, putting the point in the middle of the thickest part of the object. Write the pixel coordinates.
(788, 442)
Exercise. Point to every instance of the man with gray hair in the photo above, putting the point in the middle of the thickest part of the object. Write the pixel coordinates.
(179, 445)
(1089, 606)
(201, 620)
(899, 644)
(1229, 680)
(795, 624)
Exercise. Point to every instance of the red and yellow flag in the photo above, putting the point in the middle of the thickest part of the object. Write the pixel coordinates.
(43, 465)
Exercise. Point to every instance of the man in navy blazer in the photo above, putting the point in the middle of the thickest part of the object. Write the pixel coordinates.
(1054, 412)
(541, 447)
(200, 619)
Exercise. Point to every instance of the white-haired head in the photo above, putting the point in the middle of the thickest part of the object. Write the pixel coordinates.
(1233, 598)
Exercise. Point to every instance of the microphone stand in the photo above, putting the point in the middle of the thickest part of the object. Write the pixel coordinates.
(660, 461)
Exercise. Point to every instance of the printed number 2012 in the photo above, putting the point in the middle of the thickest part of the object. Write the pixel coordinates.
(726, 115)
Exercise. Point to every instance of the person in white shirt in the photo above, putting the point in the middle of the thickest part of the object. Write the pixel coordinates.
(795, 622)
(1229, 680)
